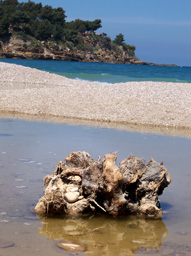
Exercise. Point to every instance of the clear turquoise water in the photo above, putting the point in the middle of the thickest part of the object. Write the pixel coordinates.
(109, 73)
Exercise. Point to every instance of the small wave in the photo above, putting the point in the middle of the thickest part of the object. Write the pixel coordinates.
(110, 73)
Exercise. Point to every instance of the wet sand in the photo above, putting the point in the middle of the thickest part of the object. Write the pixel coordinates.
(36, 93)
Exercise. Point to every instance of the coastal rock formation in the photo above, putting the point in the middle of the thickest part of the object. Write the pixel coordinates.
(44, 53)
(82, 185)
(42, 32)
(14, 49)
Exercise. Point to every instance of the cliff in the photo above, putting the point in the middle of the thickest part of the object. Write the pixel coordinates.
(93, 52)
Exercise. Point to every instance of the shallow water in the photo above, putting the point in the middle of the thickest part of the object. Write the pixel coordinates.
(107, 72)
(30, 150)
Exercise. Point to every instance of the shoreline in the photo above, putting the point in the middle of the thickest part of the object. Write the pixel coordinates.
(31, 92)
(152, 129)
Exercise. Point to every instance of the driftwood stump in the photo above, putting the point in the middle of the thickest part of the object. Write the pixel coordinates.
(82, 185)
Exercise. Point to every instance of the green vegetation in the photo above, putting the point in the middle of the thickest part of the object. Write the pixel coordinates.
(33, 23)
(119, 40)
(32, 19)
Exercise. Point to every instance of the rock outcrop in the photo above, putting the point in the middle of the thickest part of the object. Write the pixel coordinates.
(14, 50)
(82, 185)
(102, 56)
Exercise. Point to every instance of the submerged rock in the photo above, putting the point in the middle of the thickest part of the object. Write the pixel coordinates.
(71, 246)
(83, 185)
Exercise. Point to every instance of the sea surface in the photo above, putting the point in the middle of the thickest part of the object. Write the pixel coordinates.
(109, 73)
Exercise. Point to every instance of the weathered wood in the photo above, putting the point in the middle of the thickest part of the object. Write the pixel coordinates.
(102, 186)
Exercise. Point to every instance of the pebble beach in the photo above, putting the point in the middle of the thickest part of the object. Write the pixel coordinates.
(32, 92)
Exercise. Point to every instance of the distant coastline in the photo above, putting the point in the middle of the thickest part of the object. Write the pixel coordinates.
(32, 31)
(12, 51)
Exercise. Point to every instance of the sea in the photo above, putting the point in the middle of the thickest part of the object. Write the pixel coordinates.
(109, 73)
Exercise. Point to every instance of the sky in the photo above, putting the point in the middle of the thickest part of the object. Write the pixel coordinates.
(160, 29)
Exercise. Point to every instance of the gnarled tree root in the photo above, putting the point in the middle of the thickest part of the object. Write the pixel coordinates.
(82, 185)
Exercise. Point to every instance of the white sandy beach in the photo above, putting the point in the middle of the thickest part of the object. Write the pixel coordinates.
(32, 92)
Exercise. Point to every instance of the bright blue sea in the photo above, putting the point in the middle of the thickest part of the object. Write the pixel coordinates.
(109, 73)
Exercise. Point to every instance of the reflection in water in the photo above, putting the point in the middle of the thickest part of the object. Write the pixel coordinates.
(32, 151)
(106, 236)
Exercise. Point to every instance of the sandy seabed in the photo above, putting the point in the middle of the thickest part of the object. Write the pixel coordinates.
(32, 92)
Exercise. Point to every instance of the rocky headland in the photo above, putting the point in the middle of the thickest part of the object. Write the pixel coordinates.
(33, 31)
(16, 48)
